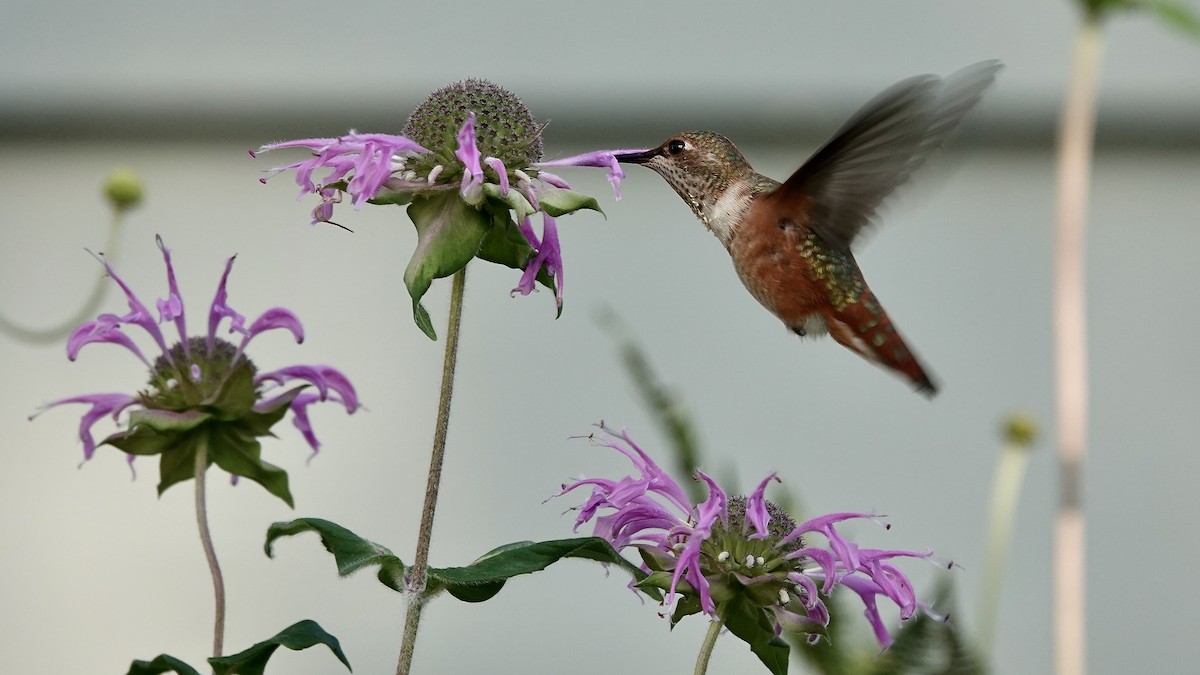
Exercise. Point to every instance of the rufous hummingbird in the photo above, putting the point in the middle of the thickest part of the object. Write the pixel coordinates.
(790, 242)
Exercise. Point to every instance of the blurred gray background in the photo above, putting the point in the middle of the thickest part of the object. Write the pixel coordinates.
(97, 571)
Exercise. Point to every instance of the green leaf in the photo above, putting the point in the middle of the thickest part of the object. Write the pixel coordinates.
(236, 395)
(486, 576)
(241, 455)
(751, 624)
(259, 422)
(178, 462)
(163, 663)
(505, 245)
(166, 421)
(558, 202)
(449, 234)
(687, 605)
(301, 635)
(386, 196)
(479, 581)
(142, 441)
(350, 551)
(513, 200)
(1177, 16)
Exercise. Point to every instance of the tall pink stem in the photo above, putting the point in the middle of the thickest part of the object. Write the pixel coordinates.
(1076, 137)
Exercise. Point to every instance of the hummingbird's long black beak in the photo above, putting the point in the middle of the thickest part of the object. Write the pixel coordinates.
(637, 157)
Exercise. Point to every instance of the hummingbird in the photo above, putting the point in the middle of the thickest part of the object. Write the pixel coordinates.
(791, 242)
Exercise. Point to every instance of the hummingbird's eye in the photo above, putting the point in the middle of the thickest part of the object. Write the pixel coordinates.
(676, 146)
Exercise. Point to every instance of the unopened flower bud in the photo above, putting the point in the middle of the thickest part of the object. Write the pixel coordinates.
(123, 189)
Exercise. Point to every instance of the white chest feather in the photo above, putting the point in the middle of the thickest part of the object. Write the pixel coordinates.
(724, 215)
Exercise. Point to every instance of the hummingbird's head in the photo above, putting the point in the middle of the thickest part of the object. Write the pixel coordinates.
(702, 166)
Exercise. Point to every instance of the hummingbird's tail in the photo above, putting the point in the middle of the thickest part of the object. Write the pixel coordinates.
(865, 328)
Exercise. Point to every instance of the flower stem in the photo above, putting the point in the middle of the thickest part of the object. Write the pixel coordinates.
(57, 332)
(209, 553)
(1006, 492)
(416, 573)
(1076, 136)
(706, 647)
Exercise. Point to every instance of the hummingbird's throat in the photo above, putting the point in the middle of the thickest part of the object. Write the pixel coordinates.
(723, 215)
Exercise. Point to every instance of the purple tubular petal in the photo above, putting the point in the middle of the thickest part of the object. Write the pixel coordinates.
(323, 211)
(756, 507)
(549, 255)
(468, 154)
(826, 560)
(221, 309)
(102, 405)
(660, 482)
(822, 523)
(106, 329)
(552, 179)
(324, 378)
(688, 566)
(299, 409)
(368, 156)
(172, 308)
(599, 158)
(867, 590)
(277, 317)
(138, 314)
(809, 597)
(498, 167)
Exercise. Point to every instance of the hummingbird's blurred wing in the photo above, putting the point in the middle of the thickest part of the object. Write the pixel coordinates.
(843, 183)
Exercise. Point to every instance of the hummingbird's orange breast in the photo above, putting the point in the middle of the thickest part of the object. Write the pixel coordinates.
(767, 254)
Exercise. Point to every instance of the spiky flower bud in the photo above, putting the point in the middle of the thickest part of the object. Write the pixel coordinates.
(504, 127)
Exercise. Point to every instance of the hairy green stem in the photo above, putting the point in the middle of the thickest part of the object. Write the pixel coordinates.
(416, 573)
(1076, 137)
(57, 332)
(210, 553)
(706, 647)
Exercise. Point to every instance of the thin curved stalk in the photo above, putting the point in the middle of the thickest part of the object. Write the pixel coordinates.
(87, 311)
(706, 647)
(416, 573)
(210, 553)
(1006, 493)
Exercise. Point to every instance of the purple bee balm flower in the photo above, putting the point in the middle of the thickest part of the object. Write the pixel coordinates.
(743, 548)
(462, 153)
(204, 390)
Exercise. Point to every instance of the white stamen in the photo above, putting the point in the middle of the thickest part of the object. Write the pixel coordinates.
(760, 560)
(521, 175)
(723, 556)
(783, 597)
(749, 561)
(435, 172)
(410, 175)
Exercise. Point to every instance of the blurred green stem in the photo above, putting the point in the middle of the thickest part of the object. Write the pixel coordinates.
(210, 553)
(416, 573)
(1006, 492)
(1076, 136)
(57, 332)
(706, 647)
